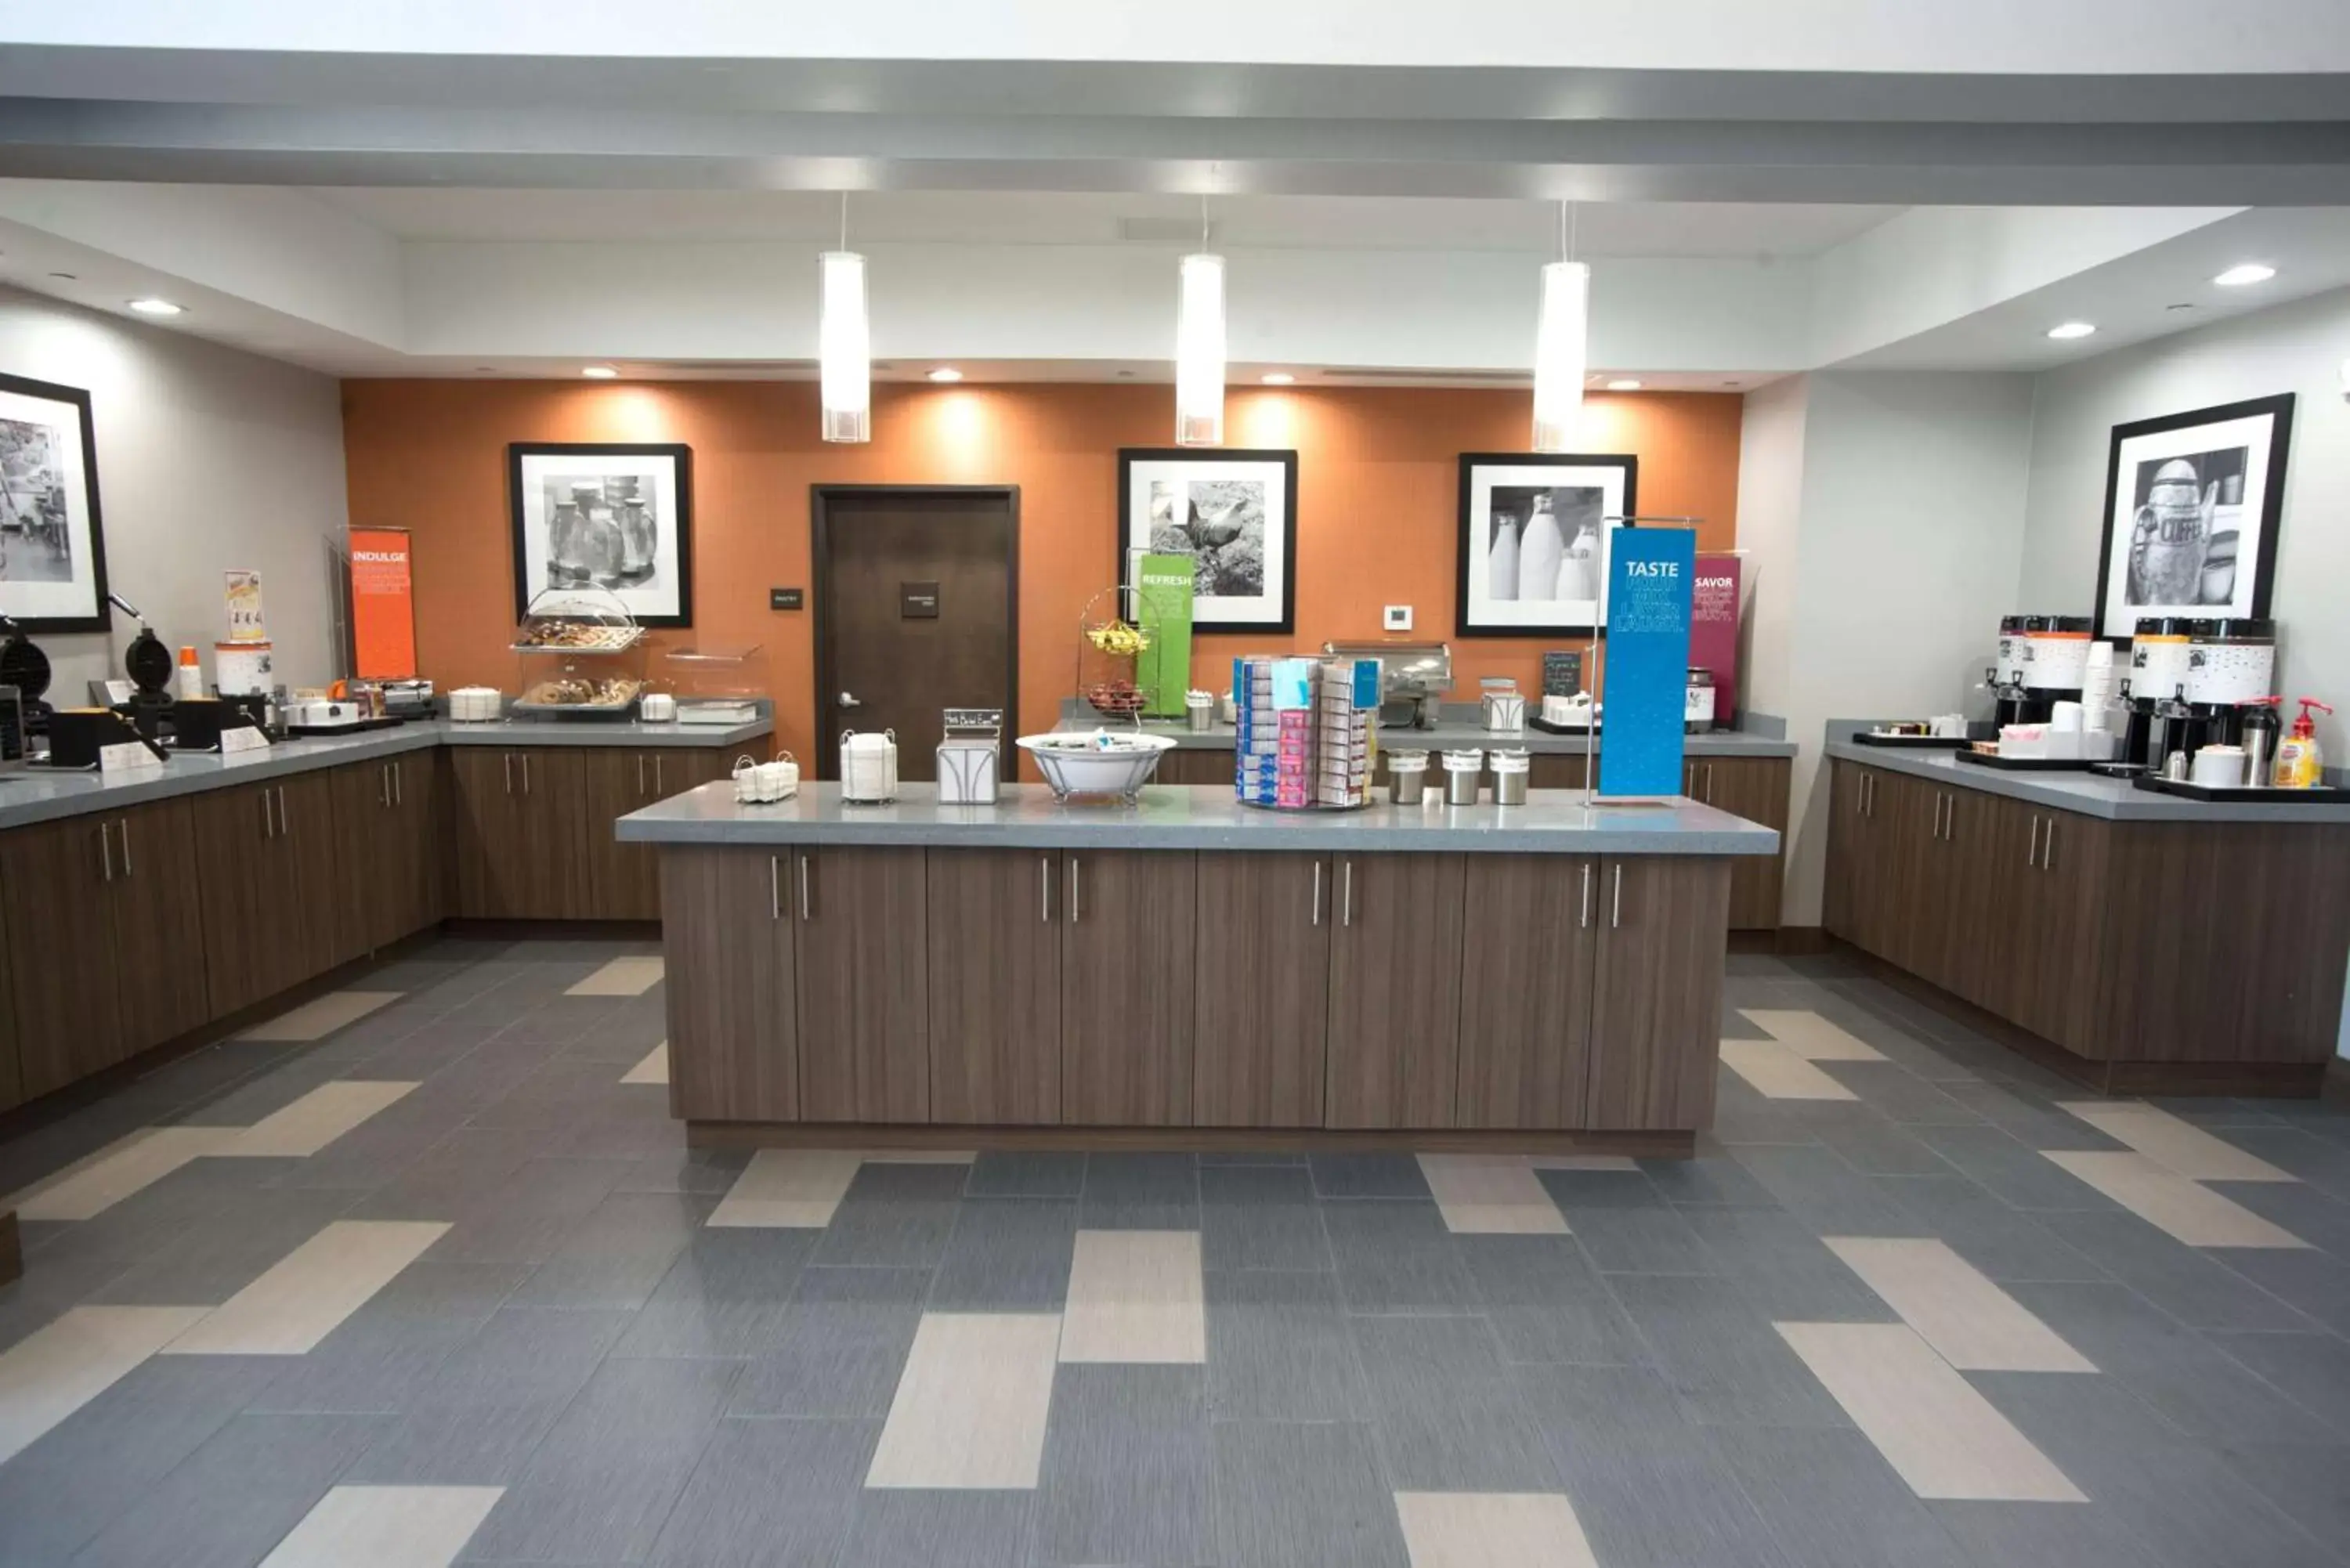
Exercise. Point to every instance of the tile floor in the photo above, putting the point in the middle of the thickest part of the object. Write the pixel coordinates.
(423, 1273)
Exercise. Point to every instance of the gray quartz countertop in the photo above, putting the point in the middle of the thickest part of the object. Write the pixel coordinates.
(36, 795)
(1204, 816)
(2092, 794)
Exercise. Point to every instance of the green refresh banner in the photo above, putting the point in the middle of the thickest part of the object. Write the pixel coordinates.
(1163, 587)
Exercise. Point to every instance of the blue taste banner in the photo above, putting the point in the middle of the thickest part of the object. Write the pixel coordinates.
(1649, 571)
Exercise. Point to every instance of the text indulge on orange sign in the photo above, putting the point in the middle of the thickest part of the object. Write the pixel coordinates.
(383, 605)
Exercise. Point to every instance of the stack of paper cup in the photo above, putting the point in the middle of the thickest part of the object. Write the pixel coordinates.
(2097, 685)
(2064, 717)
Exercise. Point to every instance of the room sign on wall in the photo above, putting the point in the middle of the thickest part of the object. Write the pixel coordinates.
(918, 601)
(1650, 575)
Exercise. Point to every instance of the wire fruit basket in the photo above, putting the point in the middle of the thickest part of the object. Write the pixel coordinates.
(1109, 639)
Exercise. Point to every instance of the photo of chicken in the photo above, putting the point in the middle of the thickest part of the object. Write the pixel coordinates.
(1219, 524)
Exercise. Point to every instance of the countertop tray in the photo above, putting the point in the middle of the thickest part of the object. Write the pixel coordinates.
(2237, 794)
(1908, 742)
(2029, 764)
(1535, 722)
(305, 731)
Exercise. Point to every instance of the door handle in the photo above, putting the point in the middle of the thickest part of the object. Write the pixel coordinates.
(1044, 889)
(1616, 912)
(1347, 893)
(1075, 914)
(398, 784)
(640, 773)
(105, 851)
(125, 825)
(775, 888)
(1586, 895)
(383, 786)
(2048, 850)
(526, 773)
(849, 701)
(269, 820)
(509, 762)
(659, 788)
(1317, 892)
(1708, 784)
(284, 822)
(803, 888)
(2032, 846)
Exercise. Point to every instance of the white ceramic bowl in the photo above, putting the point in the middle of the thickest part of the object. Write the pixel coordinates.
(1104, 761)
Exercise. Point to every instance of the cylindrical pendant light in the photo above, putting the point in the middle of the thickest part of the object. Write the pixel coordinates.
(1199, 345)
(1562, 347)
(845, 344)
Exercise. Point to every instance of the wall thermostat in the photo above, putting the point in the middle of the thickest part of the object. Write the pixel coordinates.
(1398, 617)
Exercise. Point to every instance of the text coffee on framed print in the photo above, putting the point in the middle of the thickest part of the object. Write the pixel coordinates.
(1233, 513)
(2192, 505)
(1533, 556)
(618, 516)
(52, 542)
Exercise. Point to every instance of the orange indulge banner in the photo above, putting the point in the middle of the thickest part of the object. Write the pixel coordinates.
(383, 605)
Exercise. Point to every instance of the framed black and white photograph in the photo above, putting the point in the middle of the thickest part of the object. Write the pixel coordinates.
(613, 516)
(2192, 503)
(1234, 512)
(1531, 560)
(52, 542)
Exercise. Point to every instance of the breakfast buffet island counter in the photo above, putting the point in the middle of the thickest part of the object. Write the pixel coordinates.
(1187, 971)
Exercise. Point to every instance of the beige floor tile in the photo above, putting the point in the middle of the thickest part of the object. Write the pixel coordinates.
(2162, 1198)
(90, 1186)
(305, 1295)
(788, 1189)
(386, 1527)
(653, 1069)
(621, 977)
(316, 1019)
(1135, 1296)
(1778, 1074)
(1492, 1530)
(1938, 1434)
(1809, 1035)
(970, 1404)
(1582, 1162)
(60, 1367)
(1491, 1195)
(318, 1119)
(2169, 1141)
(1971, 1322)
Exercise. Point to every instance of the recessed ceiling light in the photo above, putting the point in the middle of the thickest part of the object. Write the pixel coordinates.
(2066, 329)
(2247, 272)
(154, 307)
(598, 372)
(1622, 384)
(945, 373)
(1278, 379)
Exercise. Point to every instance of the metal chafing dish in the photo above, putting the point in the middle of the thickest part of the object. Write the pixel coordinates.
(1413, 678)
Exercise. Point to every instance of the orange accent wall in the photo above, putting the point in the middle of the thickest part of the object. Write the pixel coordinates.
(1377, 498)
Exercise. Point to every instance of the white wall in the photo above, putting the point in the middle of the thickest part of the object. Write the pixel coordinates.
(207, 459)
(2298, 349)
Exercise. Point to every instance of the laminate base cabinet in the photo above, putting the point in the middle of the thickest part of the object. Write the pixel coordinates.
(1656, 1011)
(522, 833)
(728, 934)
(388, 841)
(158, 925)
(61, 950)
(863, 983)
(1260, 989)
(623, 880)
(235, 833)
(1527, 953)
(1395, 992)
(996, 987)
(1127, 967)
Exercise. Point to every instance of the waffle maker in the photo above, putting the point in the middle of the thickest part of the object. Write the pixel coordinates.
(23, 665)
(150, 666)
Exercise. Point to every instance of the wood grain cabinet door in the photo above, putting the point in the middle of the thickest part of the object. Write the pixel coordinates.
(521, 817)
(236, 834)
(305, 882)
(1261, 992)
(1840, 892)
(863, 970)
(418, 899)
(158, 918)
(61, 964)
(1756, 789)
(995, 938)
(365, 839)
(1395, 992)
(1128, 953)
(1656, 1016)
(1529, 941)
(2059, 937)
(623, 880)
(727, 930)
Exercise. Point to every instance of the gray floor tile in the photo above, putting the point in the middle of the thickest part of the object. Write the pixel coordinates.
(703, 1170)
(1141, 1192)
(1260, 1217)
(2317, 1282)
(2031, 1534)
(1007, 1254)
(842, 1347)
(1719, 1352)
(1645, 1482)
(603, 1481)
(206, 1259)
(1875, 1147)
(907, 1529)
(1575, 1190)
(1367, 1175)
(1902, 1096)
(726, 1296)
(2007, 1245)
(1278, 1349)
(1026, 1173)
(236, 1496)
(2316, 1217)
(779, 1494)
(893, 1217)
(2322, 1162)
(1817, 1186)
(1546, 1302)
(1833, 1502)
(2310, 1369)
(619, 1254)
(1710, 1179)
(1251, 1157)
(1286, 1495)
(1396, 1256)
(1783, 1271)
(2303, 1482)
(1126, 1467)
(2189, 1283)
(1640, 1242)
(372, 1364)
(1445, 1407)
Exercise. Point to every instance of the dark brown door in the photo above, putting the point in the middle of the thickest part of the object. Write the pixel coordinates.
(995, 986)
(1756, 789)
(302, 883)
(417, 899)
(1127, 956)
(1395, 992)
(915, 614)
(235, 832)
(623, 880)
(864, 996)
(1907, 810)
(364, 826)
(1841, 893)
(522, 820)
(1526, 952)
(2057, 938)
(727, 928)
(61, 949)
(1656, 1014)
(158, 925)
(1261, 991)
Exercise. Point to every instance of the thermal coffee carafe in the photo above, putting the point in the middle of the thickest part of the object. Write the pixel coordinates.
(2259, 729)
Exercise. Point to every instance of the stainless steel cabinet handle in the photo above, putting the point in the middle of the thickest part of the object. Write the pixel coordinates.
(1044, 889)
(2048, 850)
(1075, 914)
(383, 786)
(509, 762)
(1317, 892)
(775, 888)
(640, 773)
(269, 822)
(1615, 914)
(106, 849)
(284, 822)
(398, 784)
(1347, 893)
(125, 825)
(803, 888)
(526, 773)
(1586, 895)
(659, 788)
(1708, 784)
(2032, 847)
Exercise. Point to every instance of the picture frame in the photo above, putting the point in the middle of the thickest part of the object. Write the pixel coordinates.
(1234, 512)
(2193, 504)
(52, 530)
(1554, 504)
(611, 514)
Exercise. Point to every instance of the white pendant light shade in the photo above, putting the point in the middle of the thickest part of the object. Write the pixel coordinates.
(1199, 353)
(845, 350)
(1561, 346)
